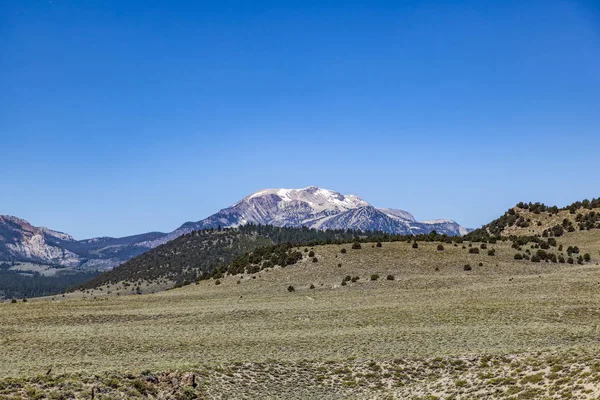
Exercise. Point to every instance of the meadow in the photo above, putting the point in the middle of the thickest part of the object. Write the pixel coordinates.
(415, 324)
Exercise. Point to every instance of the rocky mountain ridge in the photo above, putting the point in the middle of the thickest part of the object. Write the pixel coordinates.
(317, 208)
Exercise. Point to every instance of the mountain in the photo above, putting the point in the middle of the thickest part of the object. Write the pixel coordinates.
(318, 208)
(310, 207)
(21, 241)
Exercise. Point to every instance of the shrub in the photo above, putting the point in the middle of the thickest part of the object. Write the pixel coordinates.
(561, 259)
(492, 252)
(311, 254)
(343, 251)
(415, 245)
(474, 250)
(13, 301)
(312, 286)
(390, 277)
(374, 277)
(339, 265)
(306, 249)
(587, 257)
(535, 258)
(574, 249)
(379, 244)
(440, 247)
(461, 383)
(570, 260)
(347, 278)
(343, 283)
(356, 246)
(483, 246)
(291, 289)
(481, 264)
(315, 259)
(467, 267)
(217, 282)
(579, 261)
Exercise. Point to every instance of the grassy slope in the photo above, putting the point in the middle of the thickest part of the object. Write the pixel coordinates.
(230, 333)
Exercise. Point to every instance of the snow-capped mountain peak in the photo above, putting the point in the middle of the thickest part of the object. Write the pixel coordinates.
(315, 197)
(318, 208)
(288, 207)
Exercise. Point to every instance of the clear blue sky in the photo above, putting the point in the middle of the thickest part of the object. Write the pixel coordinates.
(120, 117)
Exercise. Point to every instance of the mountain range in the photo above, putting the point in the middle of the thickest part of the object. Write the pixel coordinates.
(311, 207)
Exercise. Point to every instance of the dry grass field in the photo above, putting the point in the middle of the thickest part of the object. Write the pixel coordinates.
(505, 329)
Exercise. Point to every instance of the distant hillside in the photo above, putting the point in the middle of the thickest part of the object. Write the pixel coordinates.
(18, 284)
(21, 241)
(181, 260)
(207, 253)
(531, 219)
(199, 253)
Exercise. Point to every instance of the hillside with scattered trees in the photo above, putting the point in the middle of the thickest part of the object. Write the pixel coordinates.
(538, 219)
(207, 253)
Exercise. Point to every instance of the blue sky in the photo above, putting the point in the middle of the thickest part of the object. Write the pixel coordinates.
(120, 117)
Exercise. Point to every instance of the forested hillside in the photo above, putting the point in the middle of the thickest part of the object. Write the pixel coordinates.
(16, 285)
(202, 254)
